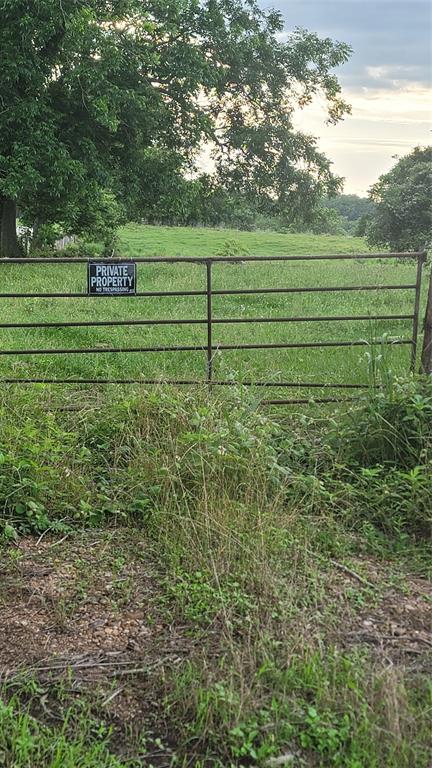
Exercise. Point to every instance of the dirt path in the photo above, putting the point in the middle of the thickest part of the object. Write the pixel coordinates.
(94, 609)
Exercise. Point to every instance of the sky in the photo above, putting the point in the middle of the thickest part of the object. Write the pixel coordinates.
(387, 81)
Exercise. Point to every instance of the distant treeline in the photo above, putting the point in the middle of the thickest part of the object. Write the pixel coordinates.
(397, 214)
(198, 203)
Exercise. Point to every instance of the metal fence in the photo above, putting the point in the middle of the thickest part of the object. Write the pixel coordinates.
(209, 321)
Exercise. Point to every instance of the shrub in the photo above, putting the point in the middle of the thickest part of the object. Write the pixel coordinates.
(151, 451)
(381, 470)
(82, 249)
(232, 248)
(391, 427)
(163, 457)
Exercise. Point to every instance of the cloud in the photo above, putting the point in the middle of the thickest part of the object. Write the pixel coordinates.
(392, 76)
(383, 124)
(384, 34)
(386, 72)
(387, 81)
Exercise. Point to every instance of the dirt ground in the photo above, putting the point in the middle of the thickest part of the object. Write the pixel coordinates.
(95, 606)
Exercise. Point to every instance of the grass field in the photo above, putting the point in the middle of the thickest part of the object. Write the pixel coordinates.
(139, 240)
(345, 365)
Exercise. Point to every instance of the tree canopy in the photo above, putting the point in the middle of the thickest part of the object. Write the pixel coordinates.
(402, 220)
(118, 97)
(351, 207)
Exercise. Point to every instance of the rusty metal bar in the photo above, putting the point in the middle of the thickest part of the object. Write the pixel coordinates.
(325, 289)
(290, 401)
(314, 319)
(193, 321)
(307, 401)
(426, 358)
(214, 259)
(285, 401)
(144, 382)
(420, 261)
(209, 322)
(200, 348)
(146, 294)
(228, 292)
(103, 323)
(193, 382)
(100, 350)
(312, 344)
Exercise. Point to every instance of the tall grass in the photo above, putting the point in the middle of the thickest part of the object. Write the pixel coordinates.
(246, 516)
(166, 451)
(79, 740)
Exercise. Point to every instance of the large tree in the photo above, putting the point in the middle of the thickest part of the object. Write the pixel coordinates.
(402, 219)
(96, 95)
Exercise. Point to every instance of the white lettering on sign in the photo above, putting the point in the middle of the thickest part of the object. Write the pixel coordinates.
(111, 279)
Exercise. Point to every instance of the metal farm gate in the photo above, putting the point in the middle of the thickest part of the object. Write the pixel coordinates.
(209, 321)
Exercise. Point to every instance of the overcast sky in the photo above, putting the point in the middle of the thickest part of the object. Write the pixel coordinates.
(387, 81)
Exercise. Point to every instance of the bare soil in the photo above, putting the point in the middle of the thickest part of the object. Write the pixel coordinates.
(94, 606)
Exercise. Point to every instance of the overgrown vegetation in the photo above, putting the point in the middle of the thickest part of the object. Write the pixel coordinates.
(80, 740)
(163, 452)
(354, 212)
(245, 516)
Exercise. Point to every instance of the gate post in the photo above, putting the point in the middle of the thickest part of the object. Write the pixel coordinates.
(421, 258)
(426, 360)
(209, 323)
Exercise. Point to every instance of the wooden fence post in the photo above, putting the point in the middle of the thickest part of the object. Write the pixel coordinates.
(426, 360)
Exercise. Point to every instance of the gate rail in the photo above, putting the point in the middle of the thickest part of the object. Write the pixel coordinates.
(209, 321)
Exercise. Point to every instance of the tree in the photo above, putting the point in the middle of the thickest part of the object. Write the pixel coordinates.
(361, 226)
(95, 93)
(351, 207)
(402, 220)
(353, 210)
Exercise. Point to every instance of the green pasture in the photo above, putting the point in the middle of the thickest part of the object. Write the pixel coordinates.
(138, 240)
(345, 365)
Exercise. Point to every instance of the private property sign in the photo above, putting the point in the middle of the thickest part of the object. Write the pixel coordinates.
(114, 279)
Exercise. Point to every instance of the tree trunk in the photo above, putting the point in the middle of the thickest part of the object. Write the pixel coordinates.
(426, 364)
(9, 246)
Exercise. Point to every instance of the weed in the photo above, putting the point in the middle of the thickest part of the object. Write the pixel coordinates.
(78, 740)
(392, 427)
(232, 248)
(200, 600)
